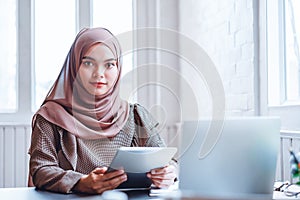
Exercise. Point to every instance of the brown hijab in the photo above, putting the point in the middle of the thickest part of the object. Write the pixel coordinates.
(69, 106)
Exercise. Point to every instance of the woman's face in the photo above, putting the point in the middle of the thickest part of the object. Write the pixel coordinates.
(98, 70)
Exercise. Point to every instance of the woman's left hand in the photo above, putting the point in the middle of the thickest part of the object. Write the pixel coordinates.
(163, 177)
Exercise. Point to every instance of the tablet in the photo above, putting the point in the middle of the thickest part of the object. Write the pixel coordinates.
(137, 161)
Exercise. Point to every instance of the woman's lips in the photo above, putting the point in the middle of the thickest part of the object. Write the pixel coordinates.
(98, 84)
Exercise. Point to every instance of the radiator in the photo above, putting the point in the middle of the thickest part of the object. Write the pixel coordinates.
(14, 160)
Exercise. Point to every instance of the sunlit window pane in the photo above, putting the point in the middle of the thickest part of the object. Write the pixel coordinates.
(292, 33)
(8, 38)
(283, 36)
(54, 33)
(116, 16)
(274, 82)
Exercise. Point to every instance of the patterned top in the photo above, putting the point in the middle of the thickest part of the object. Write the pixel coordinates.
(59, 159)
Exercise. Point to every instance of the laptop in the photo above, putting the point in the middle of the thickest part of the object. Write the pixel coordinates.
(241, 164)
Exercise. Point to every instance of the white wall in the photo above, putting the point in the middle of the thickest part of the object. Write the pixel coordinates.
(225, 30)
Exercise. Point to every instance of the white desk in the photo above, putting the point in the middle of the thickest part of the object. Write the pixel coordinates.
(26, 193)
(281, 196)
(30, 193)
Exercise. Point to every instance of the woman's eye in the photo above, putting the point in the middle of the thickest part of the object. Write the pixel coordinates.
(110, 65)
(88, 63)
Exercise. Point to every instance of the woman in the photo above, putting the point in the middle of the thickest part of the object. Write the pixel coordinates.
(83, 121)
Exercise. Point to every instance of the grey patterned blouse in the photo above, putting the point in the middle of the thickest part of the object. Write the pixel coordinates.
(58, 159)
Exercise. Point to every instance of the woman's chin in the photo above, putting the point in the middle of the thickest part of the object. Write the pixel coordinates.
(99, 92)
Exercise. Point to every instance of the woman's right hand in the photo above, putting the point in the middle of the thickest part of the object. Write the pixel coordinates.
(98, 181)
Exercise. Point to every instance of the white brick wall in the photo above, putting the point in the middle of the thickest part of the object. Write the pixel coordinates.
(224, 29)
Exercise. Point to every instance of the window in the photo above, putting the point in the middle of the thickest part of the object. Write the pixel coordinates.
(34, 44)
(283, 37)
(8, 54)
(279, 61)
(292, 41)
(54, 34)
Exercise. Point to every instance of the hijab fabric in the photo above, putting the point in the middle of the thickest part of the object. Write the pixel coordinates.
(69, 105)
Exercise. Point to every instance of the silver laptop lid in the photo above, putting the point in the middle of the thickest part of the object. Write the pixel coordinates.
(243, 161)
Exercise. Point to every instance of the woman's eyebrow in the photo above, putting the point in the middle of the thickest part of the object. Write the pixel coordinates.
(87, 57)
(107, 60)
(110, 59)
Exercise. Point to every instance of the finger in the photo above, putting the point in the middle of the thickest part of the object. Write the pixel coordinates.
(158, 171)
(113, 174)
(162, 183)
(162, 174)
(163, 170)
(103, 185)
(100, 170)
(169, 176)
(115, 182)
(158, 183)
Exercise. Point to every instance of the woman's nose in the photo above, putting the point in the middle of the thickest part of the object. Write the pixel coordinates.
(99, 71)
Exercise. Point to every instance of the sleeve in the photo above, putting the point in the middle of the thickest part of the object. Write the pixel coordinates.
(146, 133)
(44, 163)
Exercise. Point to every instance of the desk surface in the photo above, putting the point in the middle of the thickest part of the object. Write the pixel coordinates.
(32, 194)
(26, 193)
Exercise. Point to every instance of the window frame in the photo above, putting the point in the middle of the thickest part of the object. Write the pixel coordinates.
(25, 57)
(25, 47)
(289, 113)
